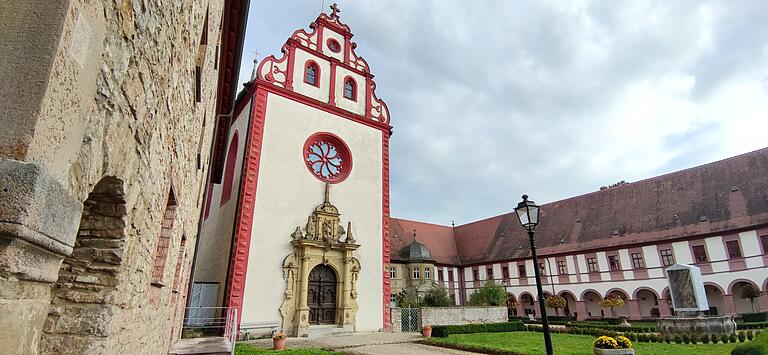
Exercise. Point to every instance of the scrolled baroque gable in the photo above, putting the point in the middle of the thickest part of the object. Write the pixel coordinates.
(329, 45)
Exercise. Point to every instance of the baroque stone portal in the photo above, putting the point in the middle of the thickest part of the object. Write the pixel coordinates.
(321, 274)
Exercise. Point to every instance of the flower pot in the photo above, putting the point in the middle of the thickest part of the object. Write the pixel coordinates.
(279, 344)
(427, 332)
(597, 351)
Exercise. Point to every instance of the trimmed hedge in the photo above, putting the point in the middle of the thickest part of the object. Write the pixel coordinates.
(755, 317)
(758, 346)
(614, 328)
(442, 331)
(757, 325)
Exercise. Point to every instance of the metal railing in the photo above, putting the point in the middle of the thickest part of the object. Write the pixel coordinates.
(211, 321)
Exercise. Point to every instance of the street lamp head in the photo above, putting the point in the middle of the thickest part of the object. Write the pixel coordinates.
(528, 213)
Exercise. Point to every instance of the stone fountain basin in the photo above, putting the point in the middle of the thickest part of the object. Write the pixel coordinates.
(697, 325)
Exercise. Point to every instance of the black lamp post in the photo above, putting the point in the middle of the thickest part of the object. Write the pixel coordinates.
(528, 213)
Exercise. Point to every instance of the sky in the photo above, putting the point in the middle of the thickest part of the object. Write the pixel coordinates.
(493, 99)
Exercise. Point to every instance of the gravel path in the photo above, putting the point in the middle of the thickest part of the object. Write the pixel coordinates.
(378, 343)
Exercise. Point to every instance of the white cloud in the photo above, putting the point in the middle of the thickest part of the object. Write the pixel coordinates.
(492, 99)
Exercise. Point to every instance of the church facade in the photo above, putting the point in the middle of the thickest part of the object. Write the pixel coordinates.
(296, 233)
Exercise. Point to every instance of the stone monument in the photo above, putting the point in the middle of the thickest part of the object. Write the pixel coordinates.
(689, 301)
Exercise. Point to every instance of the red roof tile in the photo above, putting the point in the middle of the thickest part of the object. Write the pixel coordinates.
(439, 240)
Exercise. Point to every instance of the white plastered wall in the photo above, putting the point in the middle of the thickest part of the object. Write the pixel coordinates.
(287, 193)
(300, 62)
(213, 252)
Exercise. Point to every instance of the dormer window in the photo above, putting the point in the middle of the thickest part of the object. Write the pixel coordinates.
(350, 89)
(312, 74)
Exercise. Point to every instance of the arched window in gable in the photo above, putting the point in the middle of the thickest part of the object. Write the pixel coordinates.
(350, 89)
(312, 74)
(229, 170)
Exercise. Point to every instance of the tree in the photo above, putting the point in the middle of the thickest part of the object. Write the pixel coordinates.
(490, 294)
(407, 298)
(557, 302)
(611, 302)
(436, 297)
(750, 292)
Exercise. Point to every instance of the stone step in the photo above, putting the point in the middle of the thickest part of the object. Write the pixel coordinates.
(318, 331)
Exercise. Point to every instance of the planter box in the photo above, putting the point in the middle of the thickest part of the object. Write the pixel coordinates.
(597, 351)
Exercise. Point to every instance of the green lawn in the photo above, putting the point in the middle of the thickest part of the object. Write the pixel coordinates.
(245, 349)
(570, 344)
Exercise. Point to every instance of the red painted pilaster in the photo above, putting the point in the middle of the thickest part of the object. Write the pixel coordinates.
(385, 226)
(664, 309)
(730, 306)
(581, 310)
(244, 221)
(634, 309)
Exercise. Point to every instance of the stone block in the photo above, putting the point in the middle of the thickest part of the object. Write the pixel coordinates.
(36, 208)
(81, 319)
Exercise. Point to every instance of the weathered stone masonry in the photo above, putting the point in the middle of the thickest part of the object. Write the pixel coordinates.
(101, 125)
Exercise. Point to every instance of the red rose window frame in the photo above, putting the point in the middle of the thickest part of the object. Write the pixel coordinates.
(327, 157)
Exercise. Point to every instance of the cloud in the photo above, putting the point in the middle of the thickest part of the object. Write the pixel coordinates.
(493, 99)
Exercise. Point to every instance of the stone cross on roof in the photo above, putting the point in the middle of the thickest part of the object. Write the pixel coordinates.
(335, 10)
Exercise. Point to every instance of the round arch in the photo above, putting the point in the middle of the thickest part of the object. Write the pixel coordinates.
(618, 289)
(526, 299)
(742, 304)
(622, 311)
(645, 288)
(525, 293)
(584, 293)
(648, 303)
(713, 284)
(740, 280)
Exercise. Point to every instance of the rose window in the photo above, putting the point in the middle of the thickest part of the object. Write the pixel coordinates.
(327, 157)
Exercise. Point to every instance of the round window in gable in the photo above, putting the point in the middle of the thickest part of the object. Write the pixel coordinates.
(327, 157)
(333, 45)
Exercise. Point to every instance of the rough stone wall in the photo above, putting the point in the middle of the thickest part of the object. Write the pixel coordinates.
(463, 315)
(118, 101)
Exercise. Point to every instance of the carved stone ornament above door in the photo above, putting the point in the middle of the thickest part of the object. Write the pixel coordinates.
(326, 247)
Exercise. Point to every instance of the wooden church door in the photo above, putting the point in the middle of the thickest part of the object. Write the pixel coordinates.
(321, 297)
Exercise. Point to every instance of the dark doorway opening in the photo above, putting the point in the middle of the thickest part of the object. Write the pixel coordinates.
(321, 297)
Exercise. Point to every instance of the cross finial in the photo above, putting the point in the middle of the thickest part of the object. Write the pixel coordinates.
(335, 10)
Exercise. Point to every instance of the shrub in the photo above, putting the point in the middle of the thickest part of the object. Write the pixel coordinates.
(755, 317)
(742, 336)
(442, 331)
(732, 338)
(759, 346)
(667, 339)
(705, 339)
(623, 342)
(407, 299)
(714, 337)
(750, 335)
(631, 336)
(605, 342)
(491, 294)
(435, 297)
(724, 338)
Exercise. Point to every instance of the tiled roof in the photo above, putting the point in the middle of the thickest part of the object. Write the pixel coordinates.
(714, 198)
(439, 240)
